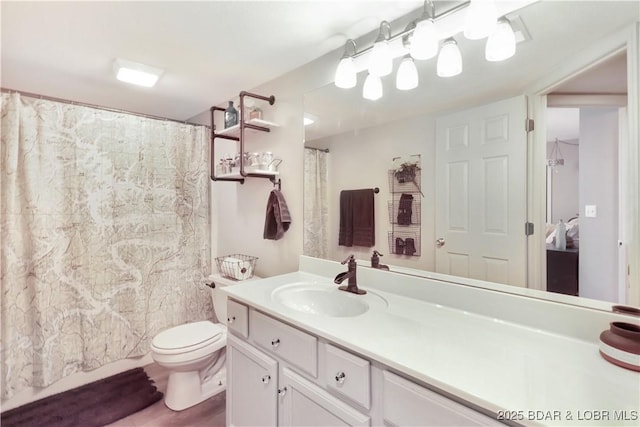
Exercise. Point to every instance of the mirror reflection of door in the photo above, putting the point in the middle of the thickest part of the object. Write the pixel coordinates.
(585, 130)
(480, 155)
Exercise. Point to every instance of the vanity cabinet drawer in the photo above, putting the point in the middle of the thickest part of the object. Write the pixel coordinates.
(349, 375)
(238, 318)
(287, 342)
(408, 404)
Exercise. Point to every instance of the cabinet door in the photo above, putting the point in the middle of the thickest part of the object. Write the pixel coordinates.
(251, 386)
(408, 404)
(303, 403)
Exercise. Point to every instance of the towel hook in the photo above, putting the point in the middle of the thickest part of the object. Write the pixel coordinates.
(277, 183)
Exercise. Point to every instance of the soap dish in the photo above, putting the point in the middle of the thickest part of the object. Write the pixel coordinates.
(620, 345)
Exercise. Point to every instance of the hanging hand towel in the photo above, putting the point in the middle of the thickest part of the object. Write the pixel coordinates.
(357, 218)
(278, 218)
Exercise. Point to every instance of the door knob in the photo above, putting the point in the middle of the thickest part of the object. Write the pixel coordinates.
(440, 242)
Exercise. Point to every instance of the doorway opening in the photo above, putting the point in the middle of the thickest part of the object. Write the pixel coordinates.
(586, 131)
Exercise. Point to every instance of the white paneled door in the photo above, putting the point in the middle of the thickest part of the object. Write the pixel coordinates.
(481, 191)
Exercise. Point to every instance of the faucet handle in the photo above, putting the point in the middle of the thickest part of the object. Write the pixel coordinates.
(375, 252)
(350, 258)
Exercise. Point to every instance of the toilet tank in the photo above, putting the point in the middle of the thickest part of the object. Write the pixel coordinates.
(220, 298)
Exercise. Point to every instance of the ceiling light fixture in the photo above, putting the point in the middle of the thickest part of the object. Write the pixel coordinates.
(501, 44)
(424, 42)
(481, 19)
(346, 74)
(449, 59)
(407, 75)
(381, 61)
(429, 36)
(309, 119)
(372, 89)
(136, 73)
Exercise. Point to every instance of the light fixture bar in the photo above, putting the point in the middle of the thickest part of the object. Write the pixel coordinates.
(504, 8)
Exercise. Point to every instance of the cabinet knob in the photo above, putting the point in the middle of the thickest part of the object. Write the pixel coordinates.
(231, 319)
(266, 379)
(340, 377)
(282, 391)
(275, 343)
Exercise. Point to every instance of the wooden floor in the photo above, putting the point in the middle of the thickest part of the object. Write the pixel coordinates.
(210, 413)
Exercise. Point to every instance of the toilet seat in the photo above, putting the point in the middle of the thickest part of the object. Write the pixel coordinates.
(187, 338)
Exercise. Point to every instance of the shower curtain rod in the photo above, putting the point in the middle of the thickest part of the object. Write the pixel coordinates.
(326, 150)
(98, 107)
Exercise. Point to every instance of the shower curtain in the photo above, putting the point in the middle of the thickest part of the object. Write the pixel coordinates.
(315, 203)
(105, 236)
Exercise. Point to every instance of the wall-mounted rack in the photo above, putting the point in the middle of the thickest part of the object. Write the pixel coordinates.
(237, 133)
(405, 210)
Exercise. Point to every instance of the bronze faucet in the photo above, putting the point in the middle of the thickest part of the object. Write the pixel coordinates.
(350, 274)
(375, 261)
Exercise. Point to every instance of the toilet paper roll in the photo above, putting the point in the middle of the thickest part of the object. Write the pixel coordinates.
(238, 269)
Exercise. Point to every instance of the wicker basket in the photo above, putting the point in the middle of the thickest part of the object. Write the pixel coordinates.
(237, 266)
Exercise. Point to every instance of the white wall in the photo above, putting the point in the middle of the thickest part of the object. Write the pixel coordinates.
(238, 210)
(598, 269)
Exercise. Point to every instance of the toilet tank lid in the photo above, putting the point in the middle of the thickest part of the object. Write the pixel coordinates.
(187, 335)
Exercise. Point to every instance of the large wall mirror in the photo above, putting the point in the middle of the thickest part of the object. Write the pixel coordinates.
(354, 143)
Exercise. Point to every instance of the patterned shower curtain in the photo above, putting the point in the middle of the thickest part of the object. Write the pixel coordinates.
(316, 213)
(105, 236)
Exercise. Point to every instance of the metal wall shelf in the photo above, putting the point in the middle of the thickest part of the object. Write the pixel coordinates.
(237, 133)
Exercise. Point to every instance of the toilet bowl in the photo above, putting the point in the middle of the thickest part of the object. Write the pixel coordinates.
(195, 354)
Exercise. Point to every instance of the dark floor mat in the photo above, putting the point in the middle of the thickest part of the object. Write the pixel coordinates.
(92, 405)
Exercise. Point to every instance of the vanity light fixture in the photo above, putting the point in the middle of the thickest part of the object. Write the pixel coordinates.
(136, 73)
(450, 59)
(381, 61)
(346, 74)
(407, 75)
(424, 41)
(429, 36)
(372, 89)
(501, 44)
(481, 19)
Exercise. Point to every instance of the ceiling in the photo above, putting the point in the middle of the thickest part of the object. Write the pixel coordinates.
(209, 50)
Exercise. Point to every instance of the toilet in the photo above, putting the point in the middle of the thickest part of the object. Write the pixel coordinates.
(194, 354)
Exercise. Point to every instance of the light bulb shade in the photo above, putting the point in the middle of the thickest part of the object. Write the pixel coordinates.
(372, 89)
(424, 42)
(449, 59)
(502, 43)
(346, 74)
(407, 76)
(481, 19)
(380, 61)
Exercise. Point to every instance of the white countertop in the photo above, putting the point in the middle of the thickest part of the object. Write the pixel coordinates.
(489, 362)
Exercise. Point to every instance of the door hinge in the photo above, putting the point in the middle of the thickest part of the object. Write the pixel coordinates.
(528, 228)
(529, 125)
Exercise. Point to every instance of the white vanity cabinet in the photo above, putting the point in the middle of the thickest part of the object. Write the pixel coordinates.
(283, 375)
(406, 403)
(303, 403)
(252, 385)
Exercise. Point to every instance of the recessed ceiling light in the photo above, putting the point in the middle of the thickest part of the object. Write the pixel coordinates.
(136, 73)
(309, 119)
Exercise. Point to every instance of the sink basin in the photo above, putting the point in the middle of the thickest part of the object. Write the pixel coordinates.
(322, 299)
